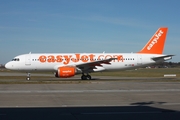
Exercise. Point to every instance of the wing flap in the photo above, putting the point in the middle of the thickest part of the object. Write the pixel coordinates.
(92, 65)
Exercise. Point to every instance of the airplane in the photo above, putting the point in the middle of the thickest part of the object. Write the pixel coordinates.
(66, 65)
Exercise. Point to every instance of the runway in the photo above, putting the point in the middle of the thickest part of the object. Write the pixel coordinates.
(104, 93)
(95, 99)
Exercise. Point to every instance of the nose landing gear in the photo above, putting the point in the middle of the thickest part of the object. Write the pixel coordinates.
(28, 76)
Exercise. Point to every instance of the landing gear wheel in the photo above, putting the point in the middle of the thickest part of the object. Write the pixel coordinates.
(88, 77)
(28, 78)
(85, 77)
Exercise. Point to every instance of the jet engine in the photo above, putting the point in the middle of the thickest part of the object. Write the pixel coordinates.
(65, 72)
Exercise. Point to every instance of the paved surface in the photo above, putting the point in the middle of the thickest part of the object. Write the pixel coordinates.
(107, 98)
(91, 100)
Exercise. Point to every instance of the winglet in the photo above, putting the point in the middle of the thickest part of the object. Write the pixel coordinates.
(156, 44)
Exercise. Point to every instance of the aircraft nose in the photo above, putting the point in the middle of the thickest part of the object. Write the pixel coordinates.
(8, 65)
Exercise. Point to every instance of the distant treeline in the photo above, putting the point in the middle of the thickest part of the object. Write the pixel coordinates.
(2, 66)
(166, 65)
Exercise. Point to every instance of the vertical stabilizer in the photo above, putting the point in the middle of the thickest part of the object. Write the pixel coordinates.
(156, 44)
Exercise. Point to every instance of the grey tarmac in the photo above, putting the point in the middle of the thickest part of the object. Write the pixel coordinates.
(96, 99)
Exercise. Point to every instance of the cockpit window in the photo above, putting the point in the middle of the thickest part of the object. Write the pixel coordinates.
(15, 59)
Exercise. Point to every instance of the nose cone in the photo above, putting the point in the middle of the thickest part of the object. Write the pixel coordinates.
(8, 65)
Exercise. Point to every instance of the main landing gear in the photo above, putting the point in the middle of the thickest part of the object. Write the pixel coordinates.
(85, 77)
(28, 76)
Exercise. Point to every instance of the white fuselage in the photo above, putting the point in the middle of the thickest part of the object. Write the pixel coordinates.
(51, 62)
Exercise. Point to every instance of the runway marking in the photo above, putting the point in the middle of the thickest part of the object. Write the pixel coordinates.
(88, 91)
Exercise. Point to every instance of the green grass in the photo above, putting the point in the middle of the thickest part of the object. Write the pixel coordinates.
(142, 72)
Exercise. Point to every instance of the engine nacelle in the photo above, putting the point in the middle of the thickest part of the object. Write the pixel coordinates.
(65, 72)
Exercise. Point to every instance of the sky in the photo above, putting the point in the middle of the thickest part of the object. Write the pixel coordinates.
(86, 26)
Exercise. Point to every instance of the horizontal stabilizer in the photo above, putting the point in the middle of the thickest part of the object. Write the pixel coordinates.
(162, 58)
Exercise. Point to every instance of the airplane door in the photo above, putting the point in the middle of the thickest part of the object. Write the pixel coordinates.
(28, 59)
(139, 60)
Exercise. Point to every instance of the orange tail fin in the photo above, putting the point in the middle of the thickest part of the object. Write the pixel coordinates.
(156, 44)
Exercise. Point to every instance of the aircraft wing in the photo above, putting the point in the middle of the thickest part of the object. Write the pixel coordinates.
(89, 66)
(165, 57)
